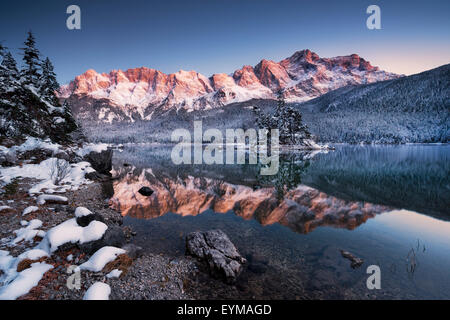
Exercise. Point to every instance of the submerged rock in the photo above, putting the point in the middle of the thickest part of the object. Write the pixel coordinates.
(218, 252)
(355, 261)
(133, 251)
(145, 191)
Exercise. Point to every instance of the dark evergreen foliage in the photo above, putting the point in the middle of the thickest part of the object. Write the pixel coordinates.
(48, 83)
(30, 71)
(28, 104)
(287, 120)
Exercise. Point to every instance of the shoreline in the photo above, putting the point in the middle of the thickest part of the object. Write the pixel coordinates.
(150, 276)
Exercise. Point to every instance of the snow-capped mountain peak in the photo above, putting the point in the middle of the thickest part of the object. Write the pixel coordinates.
(140, 92)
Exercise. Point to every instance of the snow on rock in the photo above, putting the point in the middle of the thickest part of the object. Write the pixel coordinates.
(73, 179)
(29, 232)
(42, 199)
(82, 211)
(70, 231)
(14, 284)
(98, 291)
(5, 262)
(100, 258)
(69, 257)
(88, 148)
(33, 143)
(29, 210)
(4, 208)
(114, 273)
(31, 254)
(24, 281)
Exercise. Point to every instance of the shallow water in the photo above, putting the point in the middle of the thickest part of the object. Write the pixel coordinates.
(385, 204)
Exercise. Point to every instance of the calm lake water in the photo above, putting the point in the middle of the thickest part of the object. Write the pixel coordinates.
(388, 205)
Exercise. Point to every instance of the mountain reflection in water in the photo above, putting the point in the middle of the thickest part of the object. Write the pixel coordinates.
(270, 218)
(268, 200)
(302, 209)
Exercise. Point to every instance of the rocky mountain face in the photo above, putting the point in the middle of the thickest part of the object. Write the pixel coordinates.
(142, 93)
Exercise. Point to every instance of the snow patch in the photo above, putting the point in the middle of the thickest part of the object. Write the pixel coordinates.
(33, 143)
(43, 198)
(114, 274)
(14, 284)
(29, 232)
(92, 148)
(100, 258)
(98, 291)
(74, 178)
(82, 211)
(70, 231)
(4, 208)
(29, 210)
(25, 281)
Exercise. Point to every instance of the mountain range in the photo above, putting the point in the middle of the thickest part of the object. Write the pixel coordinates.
(143, 93)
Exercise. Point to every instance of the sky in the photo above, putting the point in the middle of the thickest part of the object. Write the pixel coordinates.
(220, 36)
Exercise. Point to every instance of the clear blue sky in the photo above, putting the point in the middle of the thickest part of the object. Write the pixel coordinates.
(214, 36)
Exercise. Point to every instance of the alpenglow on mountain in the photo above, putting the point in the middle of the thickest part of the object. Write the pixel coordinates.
(142, 93)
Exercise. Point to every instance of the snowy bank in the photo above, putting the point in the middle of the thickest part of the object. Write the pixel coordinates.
(71, 178)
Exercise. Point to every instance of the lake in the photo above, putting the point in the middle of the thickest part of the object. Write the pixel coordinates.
(388, 205)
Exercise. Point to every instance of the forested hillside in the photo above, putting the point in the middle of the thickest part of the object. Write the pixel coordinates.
(409, 109)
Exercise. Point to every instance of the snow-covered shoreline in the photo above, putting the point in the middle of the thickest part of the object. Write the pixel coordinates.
(15, 282)
(45, 228)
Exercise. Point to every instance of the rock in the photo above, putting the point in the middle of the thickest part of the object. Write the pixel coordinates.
(133, 251)
(2, 159)
(145, 191)
(95, 176)
(258, 268)
(73, 157)
(61, 155)
(11, 157)
(51, 199)
(355, 261)
(257, 264)
(83, 221)
(100, 161)
(218, 252)
(114, 236)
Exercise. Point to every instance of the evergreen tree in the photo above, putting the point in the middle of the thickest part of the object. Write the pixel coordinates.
(287, 120)
(30, 71)
(48, 83)
(9, 73)
(2, 50)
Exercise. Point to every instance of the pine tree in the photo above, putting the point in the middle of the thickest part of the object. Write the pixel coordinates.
(287, 120)
(30, 71)
(48, 83)
(2, 50)
(9, 75)
(10, 66)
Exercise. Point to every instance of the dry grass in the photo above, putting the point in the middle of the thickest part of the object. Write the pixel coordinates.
(26, 263)
(122, 262)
